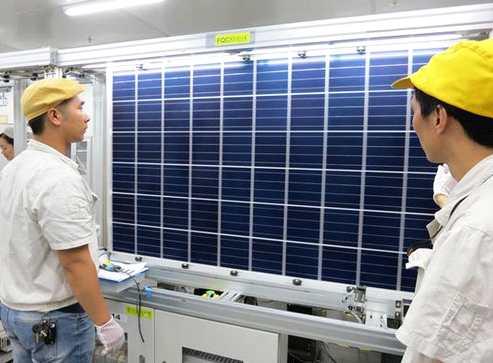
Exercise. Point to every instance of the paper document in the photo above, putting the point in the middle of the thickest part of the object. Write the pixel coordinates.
(127, 270)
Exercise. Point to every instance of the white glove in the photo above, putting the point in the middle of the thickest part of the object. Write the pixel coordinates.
(111, 335)
(444, 181)
(420, 258)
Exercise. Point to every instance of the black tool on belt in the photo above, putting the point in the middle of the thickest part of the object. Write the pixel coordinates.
(45, 332)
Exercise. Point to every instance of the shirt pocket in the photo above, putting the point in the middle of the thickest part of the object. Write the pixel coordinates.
(459, 328)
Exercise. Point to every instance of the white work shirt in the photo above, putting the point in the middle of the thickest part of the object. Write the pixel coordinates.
(451, 316)
(45, 206)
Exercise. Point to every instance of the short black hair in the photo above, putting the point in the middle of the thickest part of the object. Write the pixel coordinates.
(478, 128)
(7, 138)
(38, 123)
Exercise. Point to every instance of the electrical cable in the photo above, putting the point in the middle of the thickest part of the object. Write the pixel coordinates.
(138, 305)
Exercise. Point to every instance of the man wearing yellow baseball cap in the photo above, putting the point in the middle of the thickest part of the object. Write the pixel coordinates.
(49, 288)
(451, 317)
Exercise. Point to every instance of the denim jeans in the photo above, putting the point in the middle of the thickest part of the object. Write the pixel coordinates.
(75, 336)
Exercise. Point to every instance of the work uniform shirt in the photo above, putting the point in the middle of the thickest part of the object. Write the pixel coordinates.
(451, 316)
(46, 206)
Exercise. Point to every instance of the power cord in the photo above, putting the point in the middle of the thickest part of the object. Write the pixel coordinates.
(108, 266)
(138, 305)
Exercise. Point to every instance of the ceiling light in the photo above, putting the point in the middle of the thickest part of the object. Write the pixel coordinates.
(92, 7)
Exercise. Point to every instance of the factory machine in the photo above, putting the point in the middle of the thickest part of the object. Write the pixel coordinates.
(268, 177)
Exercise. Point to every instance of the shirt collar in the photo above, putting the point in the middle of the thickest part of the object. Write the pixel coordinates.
(39, 146)
(479, 173)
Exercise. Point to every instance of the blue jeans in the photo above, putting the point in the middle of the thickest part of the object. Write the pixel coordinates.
(75, 336)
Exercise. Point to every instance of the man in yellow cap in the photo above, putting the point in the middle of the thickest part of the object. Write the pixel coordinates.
(451, 317)
(49, 288)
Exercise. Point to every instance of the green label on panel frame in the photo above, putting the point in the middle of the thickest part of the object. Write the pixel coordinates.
(225, 39)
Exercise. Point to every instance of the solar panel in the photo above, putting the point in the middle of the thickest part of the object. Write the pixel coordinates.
(304, 167)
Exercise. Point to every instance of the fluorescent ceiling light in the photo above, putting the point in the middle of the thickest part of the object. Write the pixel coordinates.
(92, 7)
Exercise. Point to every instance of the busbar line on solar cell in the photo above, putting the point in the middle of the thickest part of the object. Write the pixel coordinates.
(337, 246)
(397, 172)
(330, 243)
(270, 132)
(267, 95)
(390, 212)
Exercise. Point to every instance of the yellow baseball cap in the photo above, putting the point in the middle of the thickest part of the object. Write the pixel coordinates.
(461, 76)
(42, 95)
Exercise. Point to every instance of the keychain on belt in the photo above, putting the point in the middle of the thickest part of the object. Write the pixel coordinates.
(45, 332)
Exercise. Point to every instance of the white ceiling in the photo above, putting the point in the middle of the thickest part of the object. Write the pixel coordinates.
(27, 24)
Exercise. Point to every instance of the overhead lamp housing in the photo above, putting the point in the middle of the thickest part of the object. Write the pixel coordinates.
(94, 7)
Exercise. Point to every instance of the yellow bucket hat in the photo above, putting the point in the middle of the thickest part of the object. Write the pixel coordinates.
(42, 95)
(461, 76)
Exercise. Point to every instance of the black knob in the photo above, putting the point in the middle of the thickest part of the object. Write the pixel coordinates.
(297, 282)
(185, 265)
(234, 273)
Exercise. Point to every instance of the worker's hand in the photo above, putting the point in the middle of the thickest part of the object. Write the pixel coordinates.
(111, 335)
(443, 184)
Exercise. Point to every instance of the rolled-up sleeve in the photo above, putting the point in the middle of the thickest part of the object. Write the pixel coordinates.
(452, 314)
(65, 214)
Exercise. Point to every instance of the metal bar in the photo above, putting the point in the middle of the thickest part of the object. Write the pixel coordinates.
(163, 110)
(286, 172)
(99, 149)
(257, 283)
(328, 296)
(190, 168)
(363, 168)
(20, 123)
(267, 319)
(108, 163)
(324, 167)
(220, 171)
(136, 159)
(28, 58)
(252, 170)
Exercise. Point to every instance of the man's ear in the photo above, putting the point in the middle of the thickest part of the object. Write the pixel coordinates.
(441, 120)
(54, 116)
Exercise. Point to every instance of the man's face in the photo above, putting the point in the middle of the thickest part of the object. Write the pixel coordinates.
(7, 149)
(423, 127)
(75, 120)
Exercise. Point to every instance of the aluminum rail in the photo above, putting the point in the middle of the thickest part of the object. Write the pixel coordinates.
(323, 294)
(435, 21)
(27, 58)
(267, 319)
